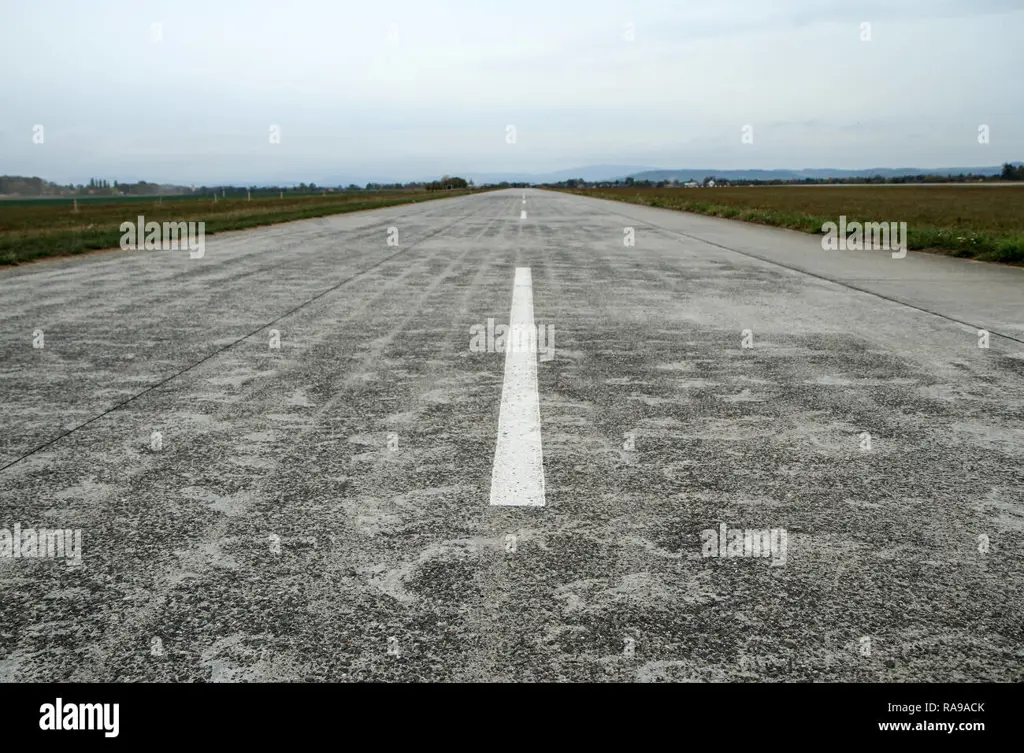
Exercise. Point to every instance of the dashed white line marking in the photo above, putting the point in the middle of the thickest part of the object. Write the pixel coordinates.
(523, 215)
(518, 475)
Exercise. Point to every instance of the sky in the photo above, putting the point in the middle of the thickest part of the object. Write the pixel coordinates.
(194, 91)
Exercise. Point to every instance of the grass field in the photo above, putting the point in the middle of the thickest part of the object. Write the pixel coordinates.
(979, 222)
(36, 229)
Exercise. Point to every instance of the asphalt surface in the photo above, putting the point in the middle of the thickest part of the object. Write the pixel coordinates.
(321, 511)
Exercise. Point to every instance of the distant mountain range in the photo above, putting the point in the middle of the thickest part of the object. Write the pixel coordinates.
(597, 173)
(818, 174)
(620, 172)
(11, 185)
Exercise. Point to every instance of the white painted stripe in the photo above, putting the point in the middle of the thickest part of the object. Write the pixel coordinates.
(518, 475)
(523, 215)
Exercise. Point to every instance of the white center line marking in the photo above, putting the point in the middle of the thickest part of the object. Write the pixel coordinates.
(518, 475)
(523, 215)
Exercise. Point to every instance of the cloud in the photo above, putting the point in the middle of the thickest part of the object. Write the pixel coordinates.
(196, 104)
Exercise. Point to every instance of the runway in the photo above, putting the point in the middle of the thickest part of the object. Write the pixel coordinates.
(307, 456)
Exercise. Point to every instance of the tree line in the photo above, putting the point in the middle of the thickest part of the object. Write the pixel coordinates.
(16, 185)
(1010, 171)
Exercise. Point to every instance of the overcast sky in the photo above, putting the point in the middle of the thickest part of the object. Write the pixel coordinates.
(409, 89)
